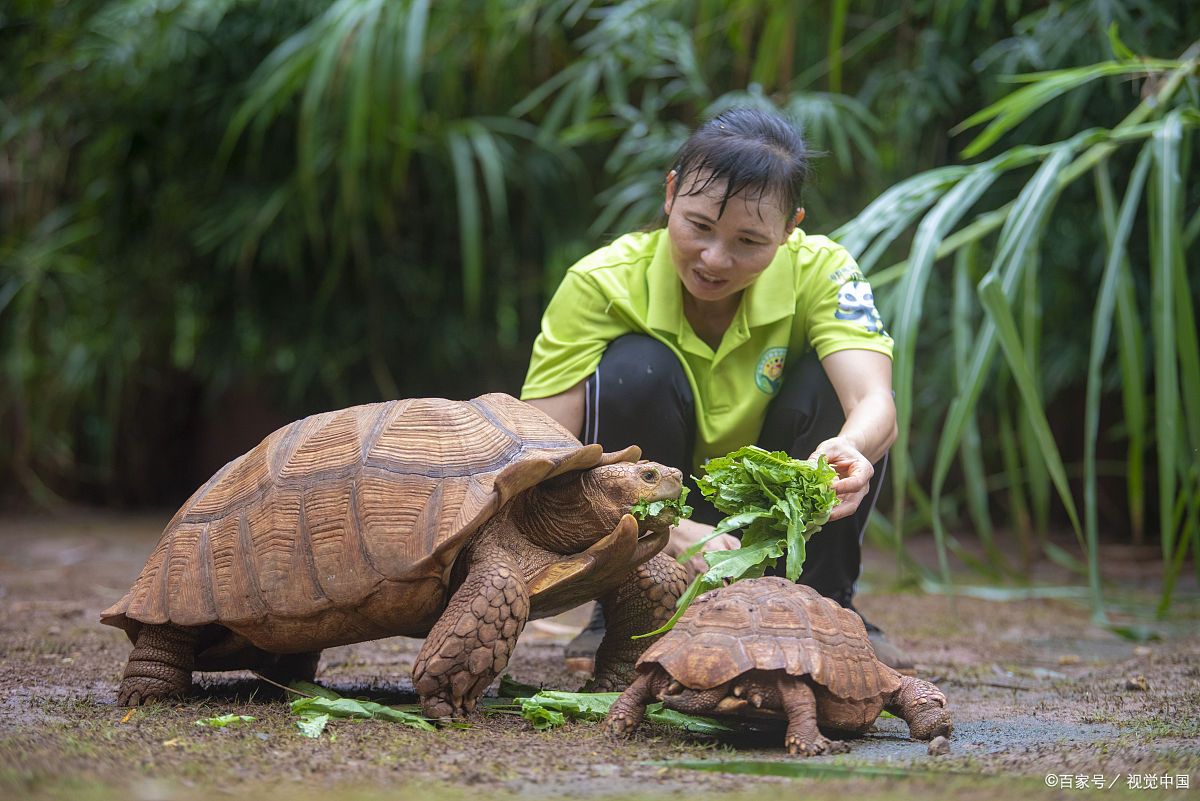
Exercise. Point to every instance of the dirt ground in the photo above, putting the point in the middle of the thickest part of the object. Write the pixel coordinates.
(1041, 700)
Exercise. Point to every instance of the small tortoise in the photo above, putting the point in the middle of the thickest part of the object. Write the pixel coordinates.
(768, 648)
(455, 521)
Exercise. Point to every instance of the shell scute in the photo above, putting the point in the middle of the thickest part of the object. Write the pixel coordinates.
(772, 624)
(340, 557)
(347, 522)
(189, 576)
(329, 443)
(239, 482)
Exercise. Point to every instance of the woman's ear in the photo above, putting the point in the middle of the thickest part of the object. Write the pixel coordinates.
(670, 195)
(794, 223)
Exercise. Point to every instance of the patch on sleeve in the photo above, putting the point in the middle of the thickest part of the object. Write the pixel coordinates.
(856, 303)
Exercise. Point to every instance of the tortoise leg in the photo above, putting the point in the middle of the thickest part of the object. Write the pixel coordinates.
(642, 603)
(473, 639)
(922, 706)
(627, 711)
(160, 665)
(800, 705)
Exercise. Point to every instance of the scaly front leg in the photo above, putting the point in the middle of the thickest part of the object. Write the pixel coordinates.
(627, 711)
(642, 603)
(800, 705)
(472, 641)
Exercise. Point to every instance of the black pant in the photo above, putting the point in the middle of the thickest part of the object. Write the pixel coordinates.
(639, 395)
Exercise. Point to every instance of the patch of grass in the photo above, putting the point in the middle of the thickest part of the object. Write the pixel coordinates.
(1156, 726)
(1174, 718)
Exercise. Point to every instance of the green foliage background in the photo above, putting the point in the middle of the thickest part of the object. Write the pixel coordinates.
(209, 204)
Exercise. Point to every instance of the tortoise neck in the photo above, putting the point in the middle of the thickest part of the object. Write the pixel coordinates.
(566, 517)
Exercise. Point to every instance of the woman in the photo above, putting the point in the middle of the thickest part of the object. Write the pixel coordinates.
(727, 327)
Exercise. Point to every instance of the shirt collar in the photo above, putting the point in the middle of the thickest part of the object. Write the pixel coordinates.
(665, 312)
(771, 297)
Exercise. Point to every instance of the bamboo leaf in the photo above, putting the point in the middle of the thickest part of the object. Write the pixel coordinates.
(837, 33)
(1130, 350)
(995, 303)
(1101, 330)
(971, 452)
(1015, 475)
(470, 222)
(312, 149)
(1188, 346)
(275, 80)
(491, 164)
(1020, 235)
(1165, 226)
(1187, 522)
(359, 79)
(415, 30)
(933, 228)
(1036, 477)
(1119, 48)
(1012, 109)
(894, 210)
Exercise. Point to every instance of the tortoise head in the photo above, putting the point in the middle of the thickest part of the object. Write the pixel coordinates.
(577, 509)
(690, 701)
(617, 488)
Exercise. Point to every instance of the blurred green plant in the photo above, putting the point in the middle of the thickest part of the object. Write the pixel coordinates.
(1158, 125)
(328, 202)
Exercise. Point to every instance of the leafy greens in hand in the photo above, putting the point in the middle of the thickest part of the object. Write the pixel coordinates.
(777, 501)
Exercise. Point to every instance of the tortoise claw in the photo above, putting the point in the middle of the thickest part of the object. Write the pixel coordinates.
(439, 707)
(140, 691)
(798, 746)
(620, 725)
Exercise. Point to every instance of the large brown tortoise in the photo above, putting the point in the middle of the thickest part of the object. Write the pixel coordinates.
(768, 648)
(456, 521)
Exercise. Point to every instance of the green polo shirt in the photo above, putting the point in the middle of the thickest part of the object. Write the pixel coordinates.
(812, 295)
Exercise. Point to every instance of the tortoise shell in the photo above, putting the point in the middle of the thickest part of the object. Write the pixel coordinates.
(344, 526)
(772, 624)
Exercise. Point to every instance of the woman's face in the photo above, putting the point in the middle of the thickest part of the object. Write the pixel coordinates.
(718, 255)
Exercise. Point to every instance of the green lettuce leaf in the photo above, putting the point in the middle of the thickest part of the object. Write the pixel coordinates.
(222, 721)
(312, 725)
(552, 708)
(777, 502)
(312, 710)
(643, 509)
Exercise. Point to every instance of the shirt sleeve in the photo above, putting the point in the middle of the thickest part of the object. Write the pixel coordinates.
(841, 309)
(576, 330)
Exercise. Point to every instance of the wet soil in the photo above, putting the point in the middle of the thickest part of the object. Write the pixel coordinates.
(1041, 699)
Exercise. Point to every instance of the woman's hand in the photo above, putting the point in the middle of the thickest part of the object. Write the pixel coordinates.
(854, 474)
(687, 533)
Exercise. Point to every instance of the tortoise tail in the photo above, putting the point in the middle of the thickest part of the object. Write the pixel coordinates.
(160, 665)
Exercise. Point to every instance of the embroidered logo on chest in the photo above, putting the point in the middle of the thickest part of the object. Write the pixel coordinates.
(769, 374)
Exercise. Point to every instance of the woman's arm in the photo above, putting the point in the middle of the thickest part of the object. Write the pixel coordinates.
(566, 408)
(862, 380)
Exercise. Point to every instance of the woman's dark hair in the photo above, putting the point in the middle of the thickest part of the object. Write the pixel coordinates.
(753, 150)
